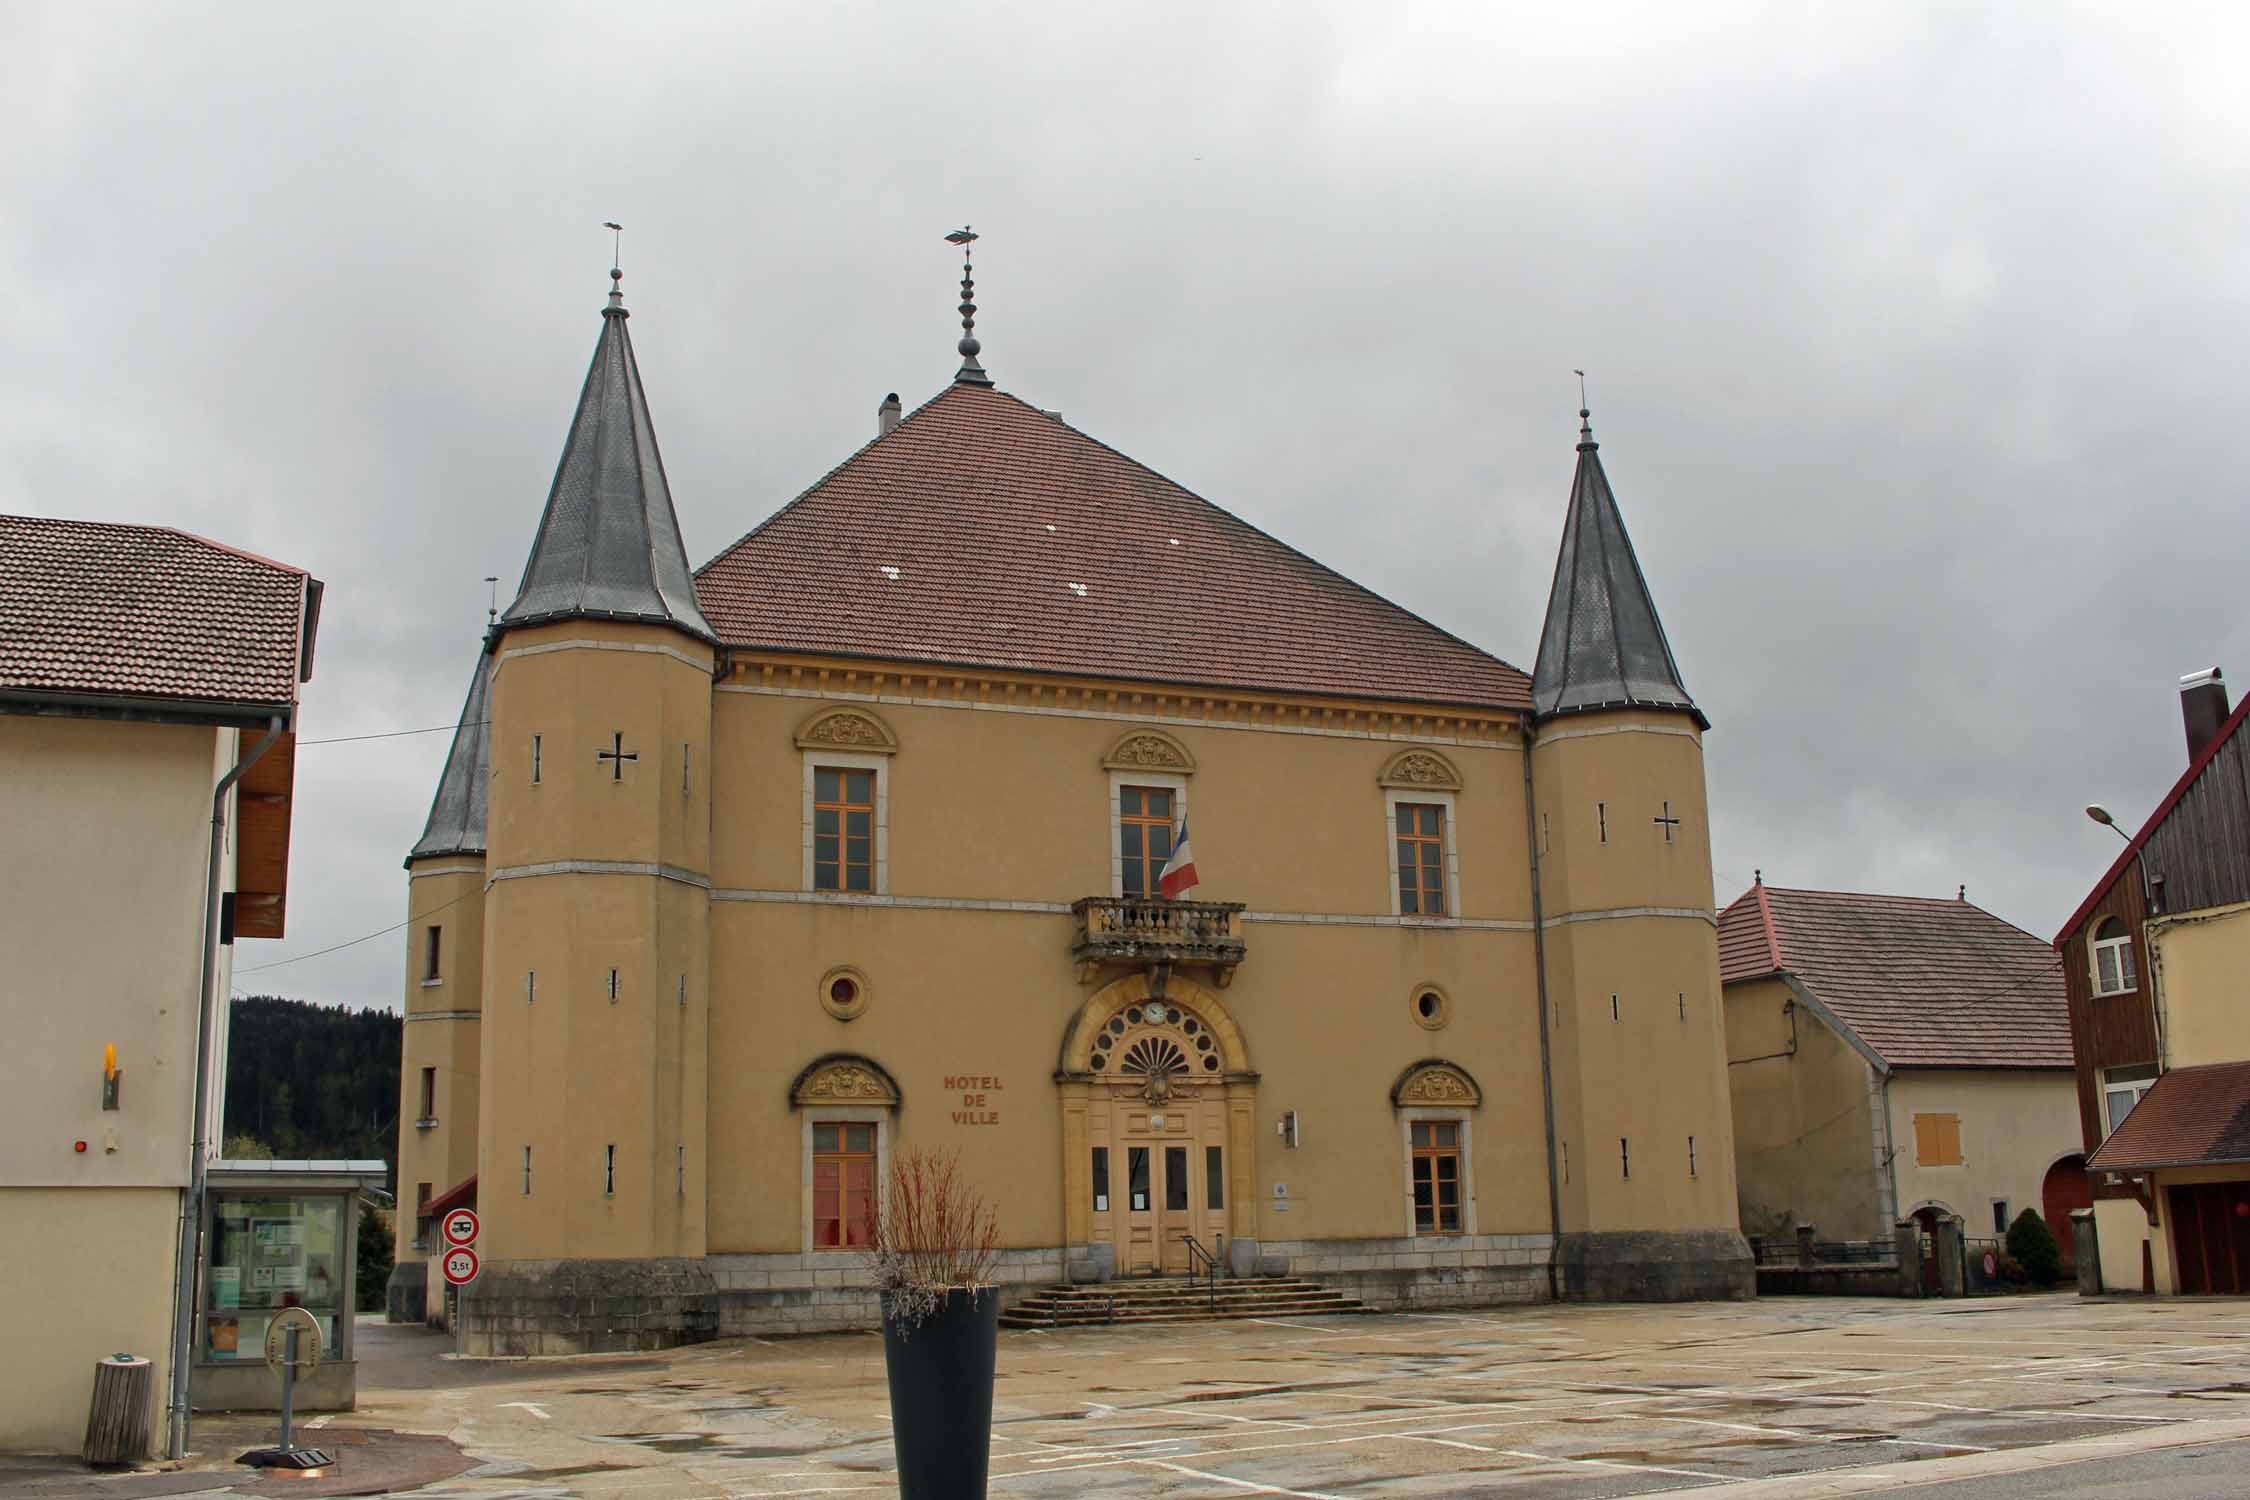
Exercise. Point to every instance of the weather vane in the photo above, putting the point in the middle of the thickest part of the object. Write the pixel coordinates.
(1581, 374)
(970, 373)
(492, 611)
(616, 245)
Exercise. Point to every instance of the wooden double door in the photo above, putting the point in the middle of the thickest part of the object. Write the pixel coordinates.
(2210, 1224)
(1159, 1177)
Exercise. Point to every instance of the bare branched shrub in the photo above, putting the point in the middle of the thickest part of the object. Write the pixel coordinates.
(931, 1234)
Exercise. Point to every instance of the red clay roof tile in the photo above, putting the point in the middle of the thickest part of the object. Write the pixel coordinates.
(88, 607)
(985, 532)
(1925, 983)
(2190, 1117)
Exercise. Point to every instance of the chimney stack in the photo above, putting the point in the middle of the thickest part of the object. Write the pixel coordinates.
(887, 415)
(2203, 707)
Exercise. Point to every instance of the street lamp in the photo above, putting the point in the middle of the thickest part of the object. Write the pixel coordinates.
(2101, 815)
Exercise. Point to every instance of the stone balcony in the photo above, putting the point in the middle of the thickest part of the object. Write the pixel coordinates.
(1145, 931)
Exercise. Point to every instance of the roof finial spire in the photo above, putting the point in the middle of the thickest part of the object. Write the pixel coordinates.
(1585, 416)
(616, 269)
(970, 373)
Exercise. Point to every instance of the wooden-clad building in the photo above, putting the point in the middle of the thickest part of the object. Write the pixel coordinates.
(2155, 959)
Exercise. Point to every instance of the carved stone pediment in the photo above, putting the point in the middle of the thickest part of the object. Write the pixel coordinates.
(1420, 769)
(847, 729)
(1436, 1081)
(1149, 750)
(844, 1080)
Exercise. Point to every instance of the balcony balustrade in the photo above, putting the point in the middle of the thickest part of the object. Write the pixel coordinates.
(1147, 930)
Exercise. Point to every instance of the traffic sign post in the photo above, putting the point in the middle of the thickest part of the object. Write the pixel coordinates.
(460, 1227)
(460, 1265)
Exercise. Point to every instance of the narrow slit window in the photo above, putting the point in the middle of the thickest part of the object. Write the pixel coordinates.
(613, 986)
(679, 1170)
(1601, 819)
(1625, 1156)
(683, 992)
(527, 1171)
(432, 964)
(684, 762)
(609, 1169)
(1614, 1013)
(843, 830)
(429, 1096)
(1101, 1179)
(530, 986)
(1421, 859)
(535, 760)
(1683, 1005)
(1691, 1156)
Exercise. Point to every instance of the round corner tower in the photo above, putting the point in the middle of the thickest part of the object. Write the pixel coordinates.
(1642, 1124)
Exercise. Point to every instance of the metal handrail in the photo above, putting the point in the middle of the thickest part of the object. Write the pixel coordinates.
(1208, 1261)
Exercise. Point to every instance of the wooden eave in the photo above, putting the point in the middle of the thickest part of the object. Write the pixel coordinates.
(261, 859)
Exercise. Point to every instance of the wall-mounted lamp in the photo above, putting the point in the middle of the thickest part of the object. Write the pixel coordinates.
(113, 1077)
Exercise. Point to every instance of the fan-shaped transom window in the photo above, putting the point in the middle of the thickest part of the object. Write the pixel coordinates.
(1188, 1049)
(2113, 959)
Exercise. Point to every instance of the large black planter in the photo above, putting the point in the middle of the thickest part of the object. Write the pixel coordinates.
(941, 1395)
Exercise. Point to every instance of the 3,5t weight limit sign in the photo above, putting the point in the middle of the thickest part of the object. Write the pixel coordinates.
(460, 1265)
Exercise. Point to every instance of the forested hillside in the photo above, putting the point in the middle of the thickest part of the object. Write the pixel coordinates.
(313, 1080)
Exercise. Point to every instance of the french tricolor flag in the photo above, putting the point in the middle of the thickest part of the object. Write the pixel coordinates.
(1178, 875)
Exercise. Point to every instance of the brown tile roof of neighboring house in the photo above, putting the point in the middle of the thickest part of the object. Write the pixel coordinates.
(2192, 1116)
(1924, 983)
(88, 608)
(985, 532)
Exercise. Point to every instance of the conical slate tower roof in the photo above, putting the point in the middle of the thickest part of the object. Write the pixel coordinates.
(1603, 646)
(456, 824)
(609, 543)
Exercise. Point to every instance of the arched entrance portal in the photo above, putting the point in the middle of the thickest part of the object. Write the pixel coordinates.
(1158, 1113)
(2065, 1189)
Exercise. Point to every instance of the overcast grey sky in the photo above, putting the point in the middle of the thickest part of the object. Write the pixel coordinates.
(1915, 339)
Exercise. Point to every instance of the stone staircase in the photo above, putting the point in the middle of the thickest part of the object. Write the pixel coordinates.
(1176, 1299)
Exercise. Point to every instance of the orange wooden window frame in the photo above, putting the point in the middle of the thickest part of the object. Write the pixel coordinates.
(843, 1186)
(1421, 880)
(855, 793)
(1147, 865)
(1427, 1148)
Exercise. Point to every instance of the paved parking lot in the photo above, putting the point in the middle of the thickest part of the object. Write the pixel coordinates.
(1812, 1396)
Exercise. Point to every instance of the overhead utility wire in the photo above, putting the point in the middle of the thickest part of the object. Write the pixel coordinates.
(370, 937)
(392, 734)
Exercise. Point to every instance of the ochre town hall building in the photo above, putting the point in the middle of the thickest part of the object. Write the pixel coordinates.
(740, 879)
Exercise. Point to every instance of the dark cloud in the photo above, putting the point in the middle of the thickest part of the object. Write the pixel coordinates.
(1912, 333)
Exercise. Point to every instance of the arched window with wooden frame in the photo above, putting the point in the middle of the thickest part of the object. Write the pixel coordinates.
(2114, 970)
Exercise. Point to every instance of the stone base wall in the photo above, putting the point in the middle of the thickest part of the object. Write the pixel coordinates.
(1636, 1265)
(1405, 1274)
(588, 1306)
(1832, 1281)
(826, 1291)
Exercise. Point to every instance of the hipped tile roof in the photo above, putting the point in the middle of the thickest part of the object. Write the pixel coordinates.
(1924, 983)
(145, 612)
(2190, 1117)
(985, 532)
